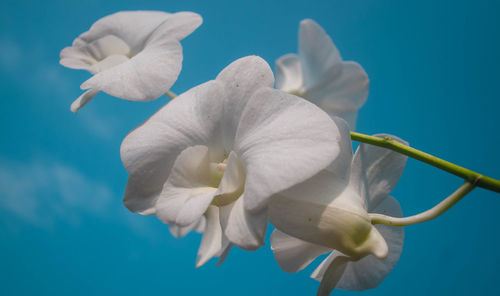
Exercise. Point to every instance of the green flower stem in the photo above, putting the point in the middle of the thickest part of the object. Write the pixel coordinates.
(427, 215)
(472, 177)
(170, 94)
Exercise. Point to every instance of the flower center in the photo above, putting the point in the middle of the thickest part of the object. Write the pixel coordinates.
(217, 171)
(107, 51)
(300, 92)
(229, 177)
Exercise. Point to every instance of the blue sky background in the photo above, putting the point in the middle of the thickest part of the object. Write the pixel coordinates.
(434, 76)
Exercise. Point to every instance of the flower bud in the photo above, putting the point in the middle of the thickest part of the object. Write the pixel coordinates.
(340, 223)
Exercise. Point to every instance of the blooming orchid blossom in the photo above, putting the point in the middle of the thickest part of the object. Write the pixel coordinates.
(329, 213)
(319, 75)
(219, 151)
(134, 55)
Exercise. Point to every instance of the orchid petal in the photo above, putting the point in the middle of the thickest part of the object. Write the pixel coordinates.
(319, 272)
(289, 73)
(178, 25)
(243, 228)
(189, 190)
(341, 94)
(86, 56)
(200, 226)
(376, 171)
(330, 271)
(241, 79)
(180, 231)
(124, 25)
(76, 58)
(341, 166)
(225, 252)
(293, 254)
(144, 77)
(317, 52)
(279, 151)
(83, 100)
(149, 152)
(108, 63)
(211, 242)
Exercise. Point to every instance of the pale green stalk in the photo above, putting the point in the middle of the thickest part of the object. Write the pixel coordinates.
(427, 215)
(170, 94)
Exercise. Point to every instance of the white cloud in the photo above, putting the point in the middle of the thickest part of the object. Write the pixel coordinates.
(11, 55)
(43, 193)
(47, 76)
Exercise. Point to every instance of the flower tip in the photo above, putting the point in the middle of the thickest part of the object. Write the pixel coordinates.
(74, 107)
(376, 245)
(82, 100)
(309, 23)
(381, 251)
(197, 19)
(200, 261)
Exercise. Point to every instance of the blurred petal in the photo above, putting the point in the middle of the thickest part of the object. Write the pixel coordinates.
(188, 192)
(376, 171)
(211, 242)
(225, 252)
(180, 231)
(283, 144)
(149, 152)
(241, 79)
(329, 273)
(242, 228)
(144, 77)
(341, 94)
(319, 272)
(288, 73)
(200, 226)
(317, 52)
(83, 100)
(178, 25)
(76, 58)
(98, 49)
(124, 25)
(108, 62)
(370, 271)
(293, 254)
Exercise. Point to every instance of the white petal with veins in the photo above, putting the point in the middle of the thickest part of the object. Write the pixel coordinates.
(319, 75)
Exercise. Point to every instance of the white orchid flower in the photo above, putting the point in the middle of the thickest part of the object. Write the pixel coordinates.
(221, 150)
(134, 55)
(329, 213)
(319, 75)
